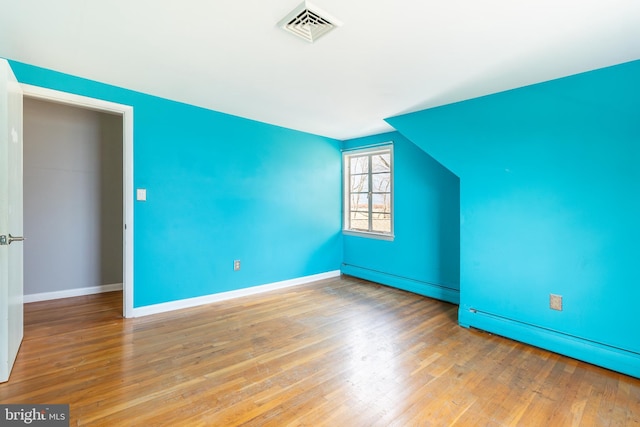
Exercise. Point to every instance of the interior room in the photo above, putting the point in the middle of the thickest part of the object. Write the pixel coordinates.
(325, 213)
(73, 200)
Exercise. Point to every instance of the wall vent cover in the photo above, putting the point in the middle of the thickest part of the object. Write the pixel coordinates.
(308, 22)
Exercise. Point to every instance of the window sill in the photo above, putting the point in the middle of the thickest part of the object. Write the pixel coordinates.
(369, 235)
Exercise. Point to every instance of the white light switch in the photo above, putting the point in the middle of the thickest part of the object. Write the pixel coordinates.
(141, 194)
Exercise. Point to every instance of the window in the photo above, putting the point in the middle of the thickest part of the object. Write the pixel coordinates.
(368, 191)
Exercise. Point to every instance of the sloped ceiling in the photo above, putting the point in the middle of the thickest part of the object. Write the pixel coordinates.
(388, 57)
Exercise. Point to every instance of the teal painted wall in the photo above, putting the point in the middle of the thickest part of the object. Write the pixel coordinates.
(424, 256)
(220, 188)
(550, 185)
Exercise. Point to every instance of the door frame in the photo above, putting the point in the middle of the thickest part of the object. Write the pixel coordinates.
(126, 112)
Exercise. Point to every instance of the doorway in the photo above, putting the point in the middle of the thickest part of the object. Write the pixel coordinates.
(78, 195)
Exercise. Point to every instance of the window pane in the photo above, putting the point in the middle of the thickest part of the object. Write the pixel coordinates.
(368, 191)
(381, 203)
(381, 162)
(360, 221)
(359, 202)
(381, 223)
(359, 183)
(359, 164)
(381, 182)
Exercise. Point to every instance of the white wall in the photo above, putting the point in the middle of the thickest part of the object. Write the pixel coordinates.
(72, 198)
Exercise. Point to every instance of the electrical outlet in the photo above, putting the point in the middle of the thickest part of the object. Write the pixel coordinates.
(555, 302)
(236, 265)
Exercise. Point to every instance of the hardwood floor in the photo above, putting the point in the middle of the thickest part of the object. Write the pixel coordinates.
(340, 352)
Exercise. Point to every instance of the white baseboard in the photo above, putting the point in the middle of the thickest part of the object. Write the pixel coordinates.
(68, 293)
(223, 296)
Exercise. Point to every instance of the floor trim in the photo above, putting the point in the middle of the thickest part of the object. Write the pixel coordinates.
(616, 359)
(223, 296)
(431, 290)
(69, 293)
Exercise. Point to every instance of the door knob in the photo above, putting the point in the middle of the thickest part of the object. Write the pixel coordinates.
(4, 240)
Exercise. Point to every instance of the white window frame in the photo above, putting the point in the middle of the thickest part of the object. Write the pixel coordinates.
(346, 191)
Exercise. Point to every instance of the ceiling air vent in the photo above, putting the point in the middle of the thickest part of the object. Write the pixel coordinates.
(308, 22)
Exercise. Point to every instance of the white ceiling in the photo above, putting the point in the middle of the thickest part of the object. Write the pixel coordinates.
(389, 57)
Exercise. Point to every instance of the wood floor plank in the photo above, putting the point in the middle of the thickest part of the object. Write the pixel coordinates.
(337, 352)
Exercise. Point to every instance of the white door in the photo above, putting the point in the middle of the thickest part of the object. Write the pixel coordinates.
(11, 270)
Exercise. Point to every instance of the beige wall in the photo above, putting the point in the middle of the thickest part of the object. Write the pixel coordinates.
(72, 197)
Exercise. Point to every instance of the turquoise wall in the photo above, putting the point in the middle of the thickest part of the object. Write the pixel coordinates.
(549, 186)
(220, 188)
(424, 255)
